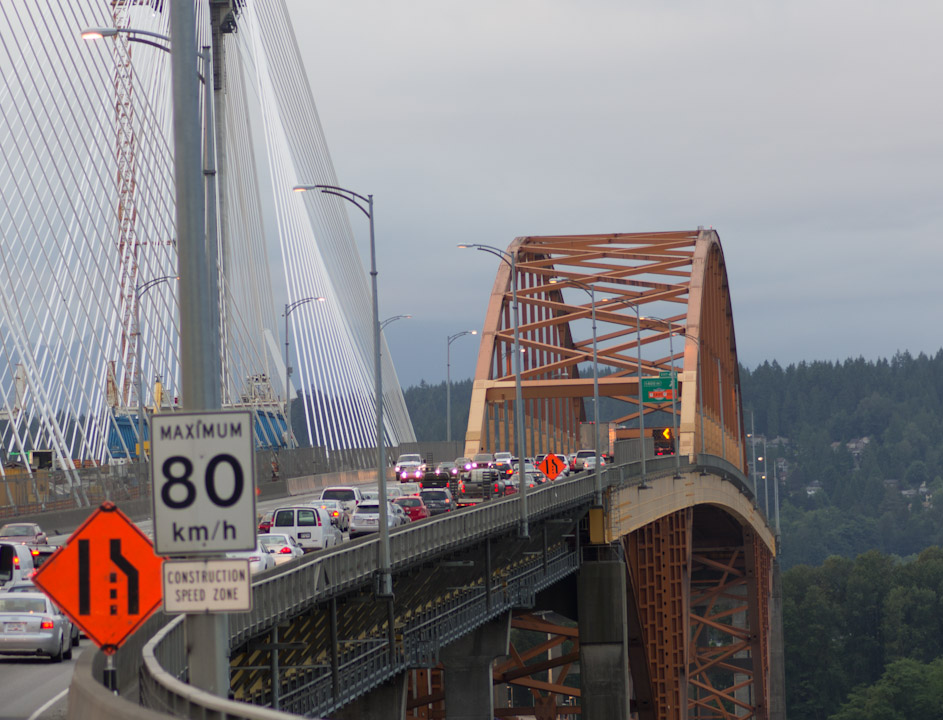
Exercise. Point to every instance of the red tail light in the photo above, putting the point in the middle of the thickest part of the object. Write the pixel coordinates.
(34, 552)
(46, 624)
(285, 550)
(16, 562)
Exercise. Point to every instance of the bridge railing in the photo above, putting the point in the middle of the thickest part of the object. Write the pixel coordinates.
(286, 593)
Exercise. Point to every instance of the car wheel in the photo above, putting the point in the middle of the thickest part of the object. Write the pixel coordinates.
(76, 636)
(57, 658)
(67, 654)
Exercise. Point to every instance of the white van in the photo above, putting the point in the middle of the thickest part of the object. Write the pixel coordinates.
(16, 563)
(310, 526)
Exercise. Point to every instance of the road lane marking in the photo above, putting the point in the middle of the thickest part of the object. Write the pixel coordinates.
(48, 704)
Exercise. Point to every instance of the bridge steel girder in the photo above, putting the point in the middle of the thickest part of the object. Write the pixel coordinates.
(700, 582)
(678, 282)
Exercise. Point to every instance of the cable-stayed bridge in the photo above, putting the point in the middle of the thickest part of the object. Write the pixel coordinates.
(89, 316)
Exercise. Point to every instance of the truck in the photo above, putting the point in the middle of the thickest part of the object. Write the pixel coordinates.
(482, 484)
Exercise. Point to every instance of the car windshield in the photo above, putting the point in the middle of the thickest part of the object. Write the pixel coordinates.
(409, 459)
(483, 458)
(434, 495)
(338, 494)
(274, 540)
(16, 530)
(367, 509)
(22, 605)
(409, 502)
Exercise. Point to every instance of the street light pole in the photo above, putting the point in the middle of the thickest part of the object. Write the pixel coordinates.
(511, 260)
(591, 291)
(139, 292)
(289, 434)
(641, 398)
(448, 380)
(365, 205)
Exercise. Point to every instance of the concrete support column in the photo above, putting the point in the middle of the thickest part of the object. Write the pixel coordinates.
(604, 658)
(468, 664)
(386, 702)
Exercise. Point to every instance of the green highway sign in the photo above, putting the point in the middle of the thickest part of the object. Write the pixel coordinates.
(658, 389)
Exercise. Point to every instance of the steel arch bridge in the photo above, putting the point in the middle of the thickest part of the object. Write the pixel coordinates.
(662, 302)
(697, 556)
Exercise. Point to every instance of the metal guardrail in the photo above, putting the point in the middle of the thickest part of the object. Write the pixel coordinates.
(327, 574)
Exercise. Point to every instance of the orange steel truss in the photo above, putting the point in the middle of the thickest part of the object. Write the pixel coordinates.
(542, 668)
(700, 584)
(677, 284)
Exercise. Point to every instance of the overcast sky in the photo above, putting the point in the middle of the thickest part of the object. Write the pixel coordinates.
(808, 133)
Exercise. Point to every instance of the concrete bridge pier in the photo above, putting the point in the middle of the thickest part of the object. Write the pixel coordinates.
(467, 665)
(604, 657)
(386, 702)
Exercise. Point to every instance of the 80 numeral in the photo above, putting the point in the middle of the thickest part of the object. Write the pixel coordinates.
(182, 479)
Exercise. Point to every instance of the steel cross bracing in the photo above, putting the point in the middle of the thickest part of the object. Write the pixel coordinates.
(87, 216)
(662, 305)
(339, 640)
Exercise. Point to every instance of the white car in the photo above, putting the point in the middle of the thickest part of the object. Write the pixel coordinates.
(409, 488)
(30, 624)
(259, 559)
(281, 547)
(366, 518)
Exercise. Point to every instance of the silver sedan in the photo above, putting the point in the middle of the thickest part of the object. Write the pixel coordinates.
(31, 625)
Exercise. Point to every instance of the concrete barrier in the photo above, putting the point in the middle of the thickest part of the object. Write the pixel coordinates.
(90, 700)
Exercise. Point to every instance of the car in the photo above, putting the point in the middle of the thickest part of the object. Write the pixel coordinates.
(414, 506)
(310, 526)
(503, 457)
(366, 518)
(281, 546)
(408, 465)
(16, 562)
(410, 488)
(589, 464)
(370, 494)
(580, 458)
(464, 466)
(259, 558)
(504, 468)
(347, 494)
(30, 624)
(400, 513)
(29, 533)
(41, 553)
(482, 460)
(532, 473)
(447, 468)
(30, 587)
(265, 522)
(438, 500)
(339, 514)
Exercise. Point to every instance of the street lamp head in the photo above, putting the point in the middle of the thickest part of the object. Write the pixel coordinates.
(463, 246)
(473, 332)
(302, 188)
(97, 33)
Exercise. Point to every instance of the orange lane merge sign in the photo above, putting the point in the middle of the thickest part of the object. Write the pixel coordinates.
(106, 577)
(551, 466)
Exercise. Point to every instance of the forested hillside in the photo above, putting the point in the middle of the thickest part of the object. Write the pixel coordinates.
(862, 451)
(864, 638)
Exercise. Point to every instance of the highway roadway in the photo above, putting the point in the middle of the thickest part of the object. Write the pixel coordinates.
(37, 689)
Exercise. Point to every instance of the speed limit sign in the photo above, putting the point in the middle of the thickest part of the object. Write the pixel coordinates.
(203, 482)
